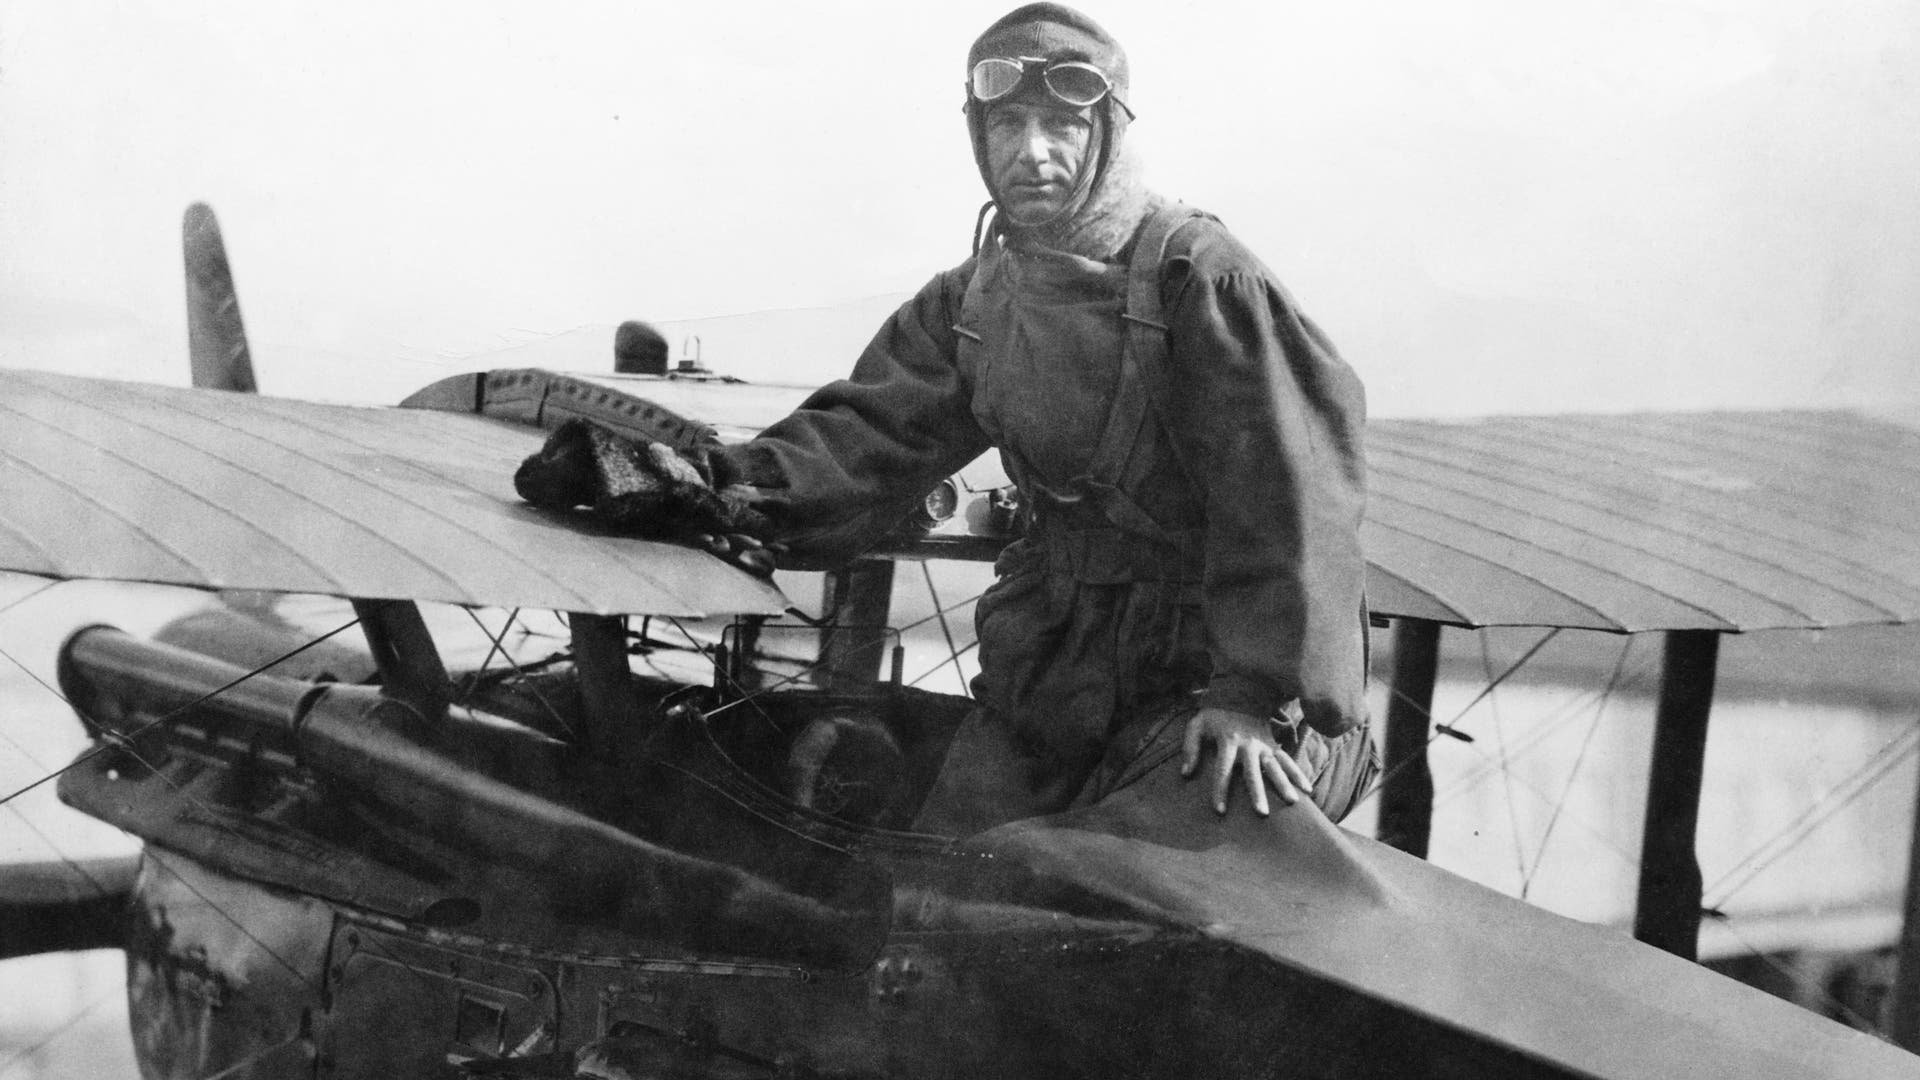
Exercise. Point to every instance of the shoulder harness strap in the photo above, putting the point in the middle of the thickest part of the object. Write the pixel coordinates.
(1143, 357)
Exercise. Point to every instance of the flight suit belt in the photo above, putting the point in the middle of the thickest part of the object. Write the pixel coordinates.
(1106, 556)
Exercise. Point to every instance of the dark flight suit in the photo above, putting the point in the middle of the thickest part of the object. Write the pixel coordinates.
(1196, 498)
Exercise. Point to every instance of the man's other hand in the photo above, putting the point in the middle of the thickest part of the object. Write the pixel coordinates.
(1242, 743)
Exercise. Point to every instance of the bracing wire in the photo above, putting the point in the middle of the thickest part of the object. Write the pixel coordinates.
(79, 868)
(318, 987)
(73, 1021)
(806, 671)
(1571, 712)
(939, 613)
(18, 600)
(1573, 774)
(1506, 765)
(307, 978)
(746, 697)
(498, 647)
(258, 1056)
(495, 646)
(1799, 979)
(945, 630)
(164, 717)
(953, 660)
(1597, 700)
(1512, 669)
(1626, 857)
(1388, 775)
(1574, 709)
(125, 743)
(1882, 763)
(1879, 766)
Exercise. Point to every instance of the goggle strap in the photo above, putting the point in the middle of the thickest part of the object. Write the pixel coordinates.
(990, 80)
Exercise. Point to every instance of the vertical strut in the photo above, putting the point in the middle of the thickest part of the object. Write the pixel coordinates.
(1667, 913)
(610, 713)
(1904, 1021)
(1406, 797)
(857, 596)
(410, 666)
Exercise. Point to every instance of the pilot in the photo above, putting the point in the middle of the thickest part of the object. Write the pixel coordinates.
(1186, 443)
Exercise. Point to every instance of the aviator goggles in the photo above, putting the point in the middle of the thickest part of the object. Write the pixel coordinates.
(1073, 82)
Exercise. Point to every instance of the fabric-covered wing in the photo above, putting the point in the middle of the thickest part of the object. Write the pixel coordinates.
(134, 482)
(1789, 519)
(1390, 963)
(1650, 521)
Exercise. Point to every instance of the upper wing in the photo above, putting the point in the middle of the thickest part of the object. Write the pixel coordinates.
(135, 482)
(1650, 521)
(1723, 521)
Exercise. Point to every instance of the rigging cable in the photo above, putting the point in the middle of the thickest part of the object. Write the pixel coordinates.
(953, 653)
(1579, 759)
(1800, 979)
(1506, 769)
(79, 868)
(954, 660)
(260, 1055)
(498, 646)
(1387, 777)
(26, 819)
(809, 669)
(80, 1014)
(1572, 711)
(111, 739)
(746, 696)
(18, 600)
(143, 728)
(124, 742)
(1879, 765)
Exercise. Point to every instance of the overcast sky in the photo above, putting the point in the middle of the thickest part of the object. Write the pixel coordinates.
(1493, 205)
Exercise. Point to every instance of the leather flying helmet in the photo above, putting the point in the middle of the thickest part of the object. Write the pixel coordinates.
(1050, 54)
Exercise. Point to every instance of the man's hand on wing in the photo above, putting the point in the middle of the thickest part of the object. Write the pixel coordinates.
(1242, 743)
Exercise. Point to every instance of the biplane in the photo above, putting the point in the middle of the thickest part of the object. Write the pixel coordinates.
(639, 851)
